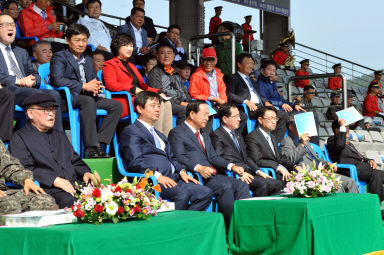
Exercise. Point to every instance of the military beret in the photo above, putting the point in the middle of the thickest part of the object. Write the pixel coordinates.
(41, 99)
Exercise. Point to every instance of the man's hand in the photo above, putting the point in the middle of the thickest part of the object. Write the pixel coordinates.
(373, 164)
(29, 184)
(88, 177)
(246, 177)
(273, 77)
(93, 86)
(299, 108)
(205, 171)
(150, 40)
(304, 138)
(342, 122)
(286, 107)
(298, 168)
(184, 104)
(262, 174)
(64, 185)
(237, 169)
(178, 43)
(284, 172)
(186, 178)
(2, 194)
(166, 181)
(55, 26)
(28, 81)
(144, 50)
(251, 106)
(268, 104)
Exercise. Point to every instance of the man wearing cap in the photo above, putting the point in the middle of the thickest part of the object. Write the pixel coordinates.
(281, 55)
(215, 21)
(48, 152)
(248, 32)
(377, 79)
(303, 71)
(371, 102)
(334, 83)
(334, 107)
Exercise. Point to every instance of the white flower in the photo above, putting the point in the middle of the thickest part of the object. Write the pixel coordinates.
(111, 208)
(106, 195)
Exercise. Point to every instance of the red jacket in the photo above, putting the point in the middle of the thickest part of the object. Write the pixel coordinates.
(199, 85)
(334, 83)
(247, 37)
(279, 57)
(371, 105)
(302, 83)
(117, 78)
(214, 24)
(32, 24)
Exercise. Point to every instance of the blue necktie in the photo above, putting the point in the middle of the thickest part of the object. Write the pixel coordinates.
(158, 145)
(311, 155)
(44, 14)
(250, 85)
(235, 140)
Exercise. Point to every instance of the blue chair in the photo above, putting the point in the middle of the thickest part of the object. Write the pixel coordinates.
(20, 36)
(251, 123)
(91, 46)
(19, 115)
(269, 171)
(216, 121)
(12, 185)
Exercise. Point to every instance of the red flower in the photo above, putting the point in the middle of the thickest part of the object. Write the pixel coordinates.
(118, 189)
(138, 186)
(98, 208)
(78, 213)
(120, 210)
(113, 184)
(128, 191)
(136, 209)
(96, 193)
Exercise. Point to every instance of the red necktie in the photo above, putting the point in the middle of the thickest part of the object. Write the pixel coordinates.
(202, 146)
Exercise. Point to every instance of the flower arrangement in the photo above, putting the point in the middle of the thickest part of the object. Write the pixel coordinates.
(313, 182)
(97, 202)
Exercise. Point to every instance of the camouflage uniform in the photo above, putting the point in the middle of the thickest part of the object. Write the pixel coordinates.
(16, 201)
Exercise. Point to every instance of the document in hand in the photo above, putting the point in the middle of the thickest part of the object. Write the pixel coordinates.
(350, 115)
(305, 123)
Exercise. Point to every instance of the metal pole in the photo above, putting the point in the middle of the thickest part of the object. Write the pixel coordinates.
(344, 86)
(198, 56)
(189, 50)
(233, 53)
(249, 43)
(289, 90)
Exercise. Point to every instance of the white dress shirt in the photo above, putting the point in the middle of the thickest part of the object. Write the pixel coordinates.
(254, 98)
(5, 55)
(138, 38)
(99, 34)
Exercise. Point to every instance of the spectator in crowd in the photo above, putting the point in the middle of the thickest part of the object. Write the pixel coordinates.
(306, 104)
(378, 75)
(371, 102)
(184, 70)
(100, 37)
(30, 198)
(136, 30)
(73, 69)
(303, 71)
(248, 32)
(48, 152)
(168, 81)
(192, 147)
(173, 38)
(37, 20)
(148, 22)
(16, 71)
(7, 108)
(343, 152)
(334, 83)
(230, 145)
(12, 9)
(149, 64)
(262, 146)
(144, 147)
(42, 52)
(121, 75)
(241, 89)
(223, 49)
(24, 3)
(98, 60)
(334, 107)
(215, 21)
(282, 56)
(299, 150)
(273, 77)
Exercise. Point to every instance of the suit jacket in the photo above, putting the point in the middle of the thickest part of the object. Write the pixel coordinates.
(238, 91)
(65, 72)
(25, 66)
(148, 25)
(48, 155)
(226, 148)
(188, 151)
(127, 29)
(139, 152)
(259, 150)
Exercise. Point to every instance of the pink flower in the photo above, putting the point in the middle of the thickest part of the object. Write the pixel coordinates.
(299, 177)
(146, 210)
(327, 188)
(311, 184)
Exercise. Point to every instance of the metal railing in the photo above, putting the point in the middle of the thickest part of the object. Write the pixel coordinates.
(198, 37)
(317, 76)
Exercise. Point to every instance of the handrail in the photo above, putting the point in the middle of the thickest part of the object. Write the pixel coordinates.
(198, 37)
(316, 76)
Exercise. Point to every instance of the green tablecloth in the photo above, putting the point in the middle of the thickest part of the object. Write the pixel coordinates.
(338, 224)
(178, 232)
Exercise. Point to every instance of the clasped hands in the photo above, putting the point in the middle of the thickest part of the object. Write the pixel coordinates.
(93, 86)
(28, 81)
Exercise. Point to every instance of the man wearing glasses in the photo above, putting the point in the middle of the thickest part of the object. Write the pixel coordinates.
(173, 38)
(48, 152)
(16, 71)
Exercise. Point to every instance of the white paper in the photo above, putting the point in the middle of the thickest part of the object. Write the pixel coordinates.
(350, 115)
(305, 123)
(265, 198)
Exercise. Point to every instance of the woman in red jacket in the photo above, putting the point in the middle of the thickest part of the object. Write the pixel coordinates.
(121, 75)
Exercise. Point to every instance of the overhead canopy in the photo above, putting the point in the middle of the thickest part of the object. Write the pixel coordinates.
(274, 6)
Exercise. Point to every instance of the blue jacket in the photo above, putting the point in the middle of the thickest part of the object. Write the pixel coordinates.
(268, 90)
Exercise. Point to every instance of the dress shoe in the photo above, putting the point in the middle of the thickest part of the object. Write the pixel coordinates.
(92, 152)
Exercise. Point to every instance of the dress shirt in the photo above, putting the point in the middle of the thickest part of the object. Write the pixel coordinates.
(138, 38)
(38, 10)
(254, 97)
(214, 89)
(5, 55)
(269, 140)
(178, 49)
(99, 34)
(81, 63)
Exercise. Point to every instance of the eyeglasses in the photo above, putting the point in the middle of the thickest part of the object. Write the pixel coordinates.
(46, 110)
(7, 24)
(272, 119)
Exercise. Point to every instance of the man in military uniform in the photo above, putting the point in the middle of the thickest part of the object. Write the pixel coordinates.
(281, 56)
(377, 79)
(334, 83)
(32, 197)
(302, 72)
(248, 32)
(215, 23)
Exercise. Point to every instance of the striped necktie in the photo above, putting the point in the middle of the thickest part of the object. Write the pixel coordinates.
(13, 66)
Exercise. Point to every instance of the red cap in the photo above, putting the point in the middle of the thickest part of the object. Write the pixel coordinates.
(209, 53)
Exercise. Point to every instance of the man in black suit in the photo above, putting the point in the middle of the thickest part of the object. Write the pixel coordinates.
(231, 146)
(242, 89)
(73, 69)
(262, 144)
(193, 148)
(343, 152)
(16, 71)
(143, 147)
(48, 152)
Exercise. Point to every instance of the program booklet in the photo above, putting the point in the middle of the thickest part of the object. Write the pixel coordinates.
(305, 123)
(350, 115)
(39, 218)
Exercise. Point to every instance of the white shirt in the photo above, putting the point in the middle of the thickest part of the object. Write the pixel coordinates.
(269, 140)
(213, 87)
(254, 98)
(99, 34)
(138, 38)
(5, 55)
(38, 10)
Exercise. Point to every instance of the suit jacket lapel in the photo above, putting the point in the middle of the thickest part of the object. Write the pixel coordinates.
(19, 59)
(276, 148)
(3, 63)
(264, 140)
(192, 136)
(73, 62)
(121, 66)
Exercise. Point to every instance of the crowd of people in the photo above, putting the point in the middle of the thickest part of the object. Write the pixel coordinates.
(165, 86)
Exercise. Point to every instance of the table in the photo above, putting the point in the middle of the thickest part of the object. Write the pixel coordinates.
(337, 224)
(177, 232)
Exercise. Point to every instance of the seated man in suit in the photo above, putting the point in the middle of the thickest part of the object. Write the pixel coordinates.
(47, 152)
(343, 152)
(230, 145)
(73, 69)
(173, 38)
(16, 72)
(192, 147)
(135, 29)
(143, 147)
(299, 150)
(262, 145)
(242, 89)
